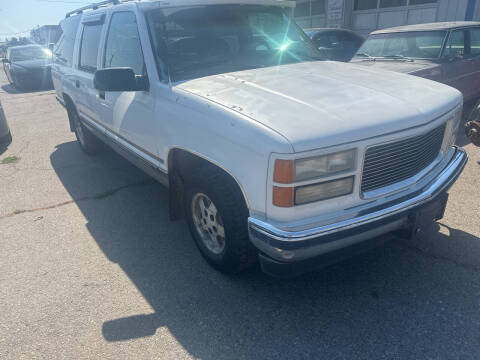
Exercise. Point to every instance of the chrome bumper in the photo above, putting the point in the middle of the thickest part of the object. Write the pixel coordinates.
(291, 246)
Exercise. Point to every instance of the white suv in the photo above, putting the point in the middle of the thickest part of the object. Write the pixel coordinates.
(268, 152)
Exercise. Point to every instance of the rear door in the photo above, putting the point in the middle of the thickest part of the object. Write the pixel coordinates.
(87, 100)
(457, 68)
(62, 68)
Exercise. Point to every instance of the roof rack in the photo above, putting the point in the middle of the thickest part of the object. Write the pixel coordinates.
(94, 6)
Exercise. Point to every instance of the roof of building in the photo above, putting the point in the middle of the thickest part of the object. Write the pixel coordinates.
(429, 27)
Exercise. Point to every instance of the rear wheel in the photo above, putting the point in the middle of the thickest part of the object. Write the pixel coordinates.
(89, 143)
(217, 217)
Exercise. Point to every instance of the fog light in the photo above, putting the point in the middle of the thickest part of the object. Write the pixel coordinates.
(324, 191)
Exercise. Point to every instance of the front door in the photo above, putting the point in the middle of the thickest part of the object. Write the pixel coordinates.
(129, 115)
(457, 67)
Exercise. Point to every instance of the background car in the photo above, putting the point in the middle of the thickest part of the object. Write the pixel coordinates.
(472, 127)
(336, 44)
(446, 52)
(28, 65)
(5, 136)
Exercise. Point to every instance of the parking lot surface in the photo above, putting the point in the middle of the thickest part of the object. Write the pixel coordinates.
(91, 267)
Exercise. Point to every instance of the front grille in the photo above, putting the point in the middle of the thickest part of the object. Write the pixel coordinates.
(393, 162)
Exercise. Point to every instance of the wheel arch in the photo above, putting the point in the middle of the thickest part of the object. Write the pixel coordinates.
(180, 161)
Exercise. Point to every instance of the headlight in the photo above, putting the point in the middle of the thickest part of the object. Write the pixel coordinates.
(325, 165)
(291, 172)
(451, 129)
(323, 191)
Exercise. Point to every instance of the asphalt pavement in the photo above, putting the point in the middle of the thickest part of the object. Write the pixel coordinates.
(91, 267)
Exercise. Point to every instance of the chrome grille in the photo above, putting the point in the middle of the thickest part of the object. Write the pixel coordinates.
(393, 162)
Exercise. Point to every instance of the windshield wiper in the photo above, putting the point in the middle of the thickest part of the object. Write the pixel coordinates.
(365, 55)
(398, 57)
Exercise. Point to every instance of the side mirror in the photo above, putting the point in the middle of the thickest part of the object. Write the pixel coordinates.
(119, 79)
(5, 61)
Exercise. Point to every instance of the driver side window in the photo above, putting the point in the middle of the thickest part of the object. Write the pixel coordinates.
(123, 48)
(456, 45)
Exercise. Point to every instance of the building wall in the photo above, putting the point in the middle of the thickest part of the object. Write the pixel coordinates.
(365, 21)
(45, 34)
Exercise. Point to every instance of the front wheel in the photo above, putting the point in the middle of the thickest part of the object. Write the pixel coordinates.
(217, 218)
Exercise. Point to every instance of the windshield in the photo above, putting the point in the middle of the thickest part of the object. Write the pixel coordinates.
(207, 40)
(30, 53)
(415, 45)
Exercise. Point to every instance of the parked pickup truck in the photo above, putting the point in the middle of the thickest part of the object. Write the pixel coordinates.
(269, 153)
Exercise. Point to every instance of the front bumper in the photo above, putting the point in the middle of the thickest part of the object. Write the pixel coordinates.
(35, 76)
(287, 249)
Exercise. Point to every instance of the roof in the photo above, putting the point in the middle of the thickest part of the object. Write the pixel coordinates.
(179, 3)
(23, 46)
(429, 27)
(47, 27)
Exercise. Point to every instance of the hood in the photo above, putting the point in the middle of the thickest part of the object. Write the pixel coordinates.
(321, 104)
(405, 67)
(33, 64)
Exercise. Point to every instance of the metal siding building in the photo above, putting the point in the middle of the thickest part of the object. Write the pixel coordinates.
(364, 16)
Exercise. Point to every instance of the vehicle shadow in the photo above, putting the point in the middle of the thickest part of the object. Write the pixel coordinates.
(4, 148)
(10, 89)
(396, 301)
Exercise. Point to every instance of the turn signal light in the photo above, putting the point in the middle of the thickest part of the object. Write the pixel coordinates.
(284, 172)
(283, 196)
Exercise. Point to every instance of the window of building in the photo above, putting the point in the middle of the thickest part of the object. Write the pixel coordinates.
(365, 4)
(123, 48)
(310, 7)
(63, 50)
(318, 7)
(302, 8)
(392, 3)
(373, 4)
(89, 47)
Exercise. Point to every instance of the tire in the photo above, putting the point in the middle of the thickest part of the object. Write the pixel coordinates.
(16, 84)
(234, 253)
(89, 143)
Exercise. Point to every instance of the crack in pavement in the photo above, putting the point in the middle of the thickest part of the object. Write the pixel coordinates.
(99, 196)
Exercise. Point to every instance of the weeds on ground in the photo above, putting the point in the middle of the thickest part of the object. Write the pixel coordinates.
(10, 160)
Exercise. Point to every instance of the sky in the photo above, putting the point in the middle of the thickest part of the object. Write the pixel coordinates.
(17, 17)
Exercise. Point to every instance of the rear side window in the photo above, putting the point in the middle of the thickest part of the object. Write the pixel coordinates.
(475, 42)
(456, 45)
(123, 48)
(89, 47)
(64, 49)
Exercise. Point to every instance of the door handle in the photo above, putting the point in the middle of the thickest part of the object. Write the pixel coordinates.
(101, 94)
(77, 83)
